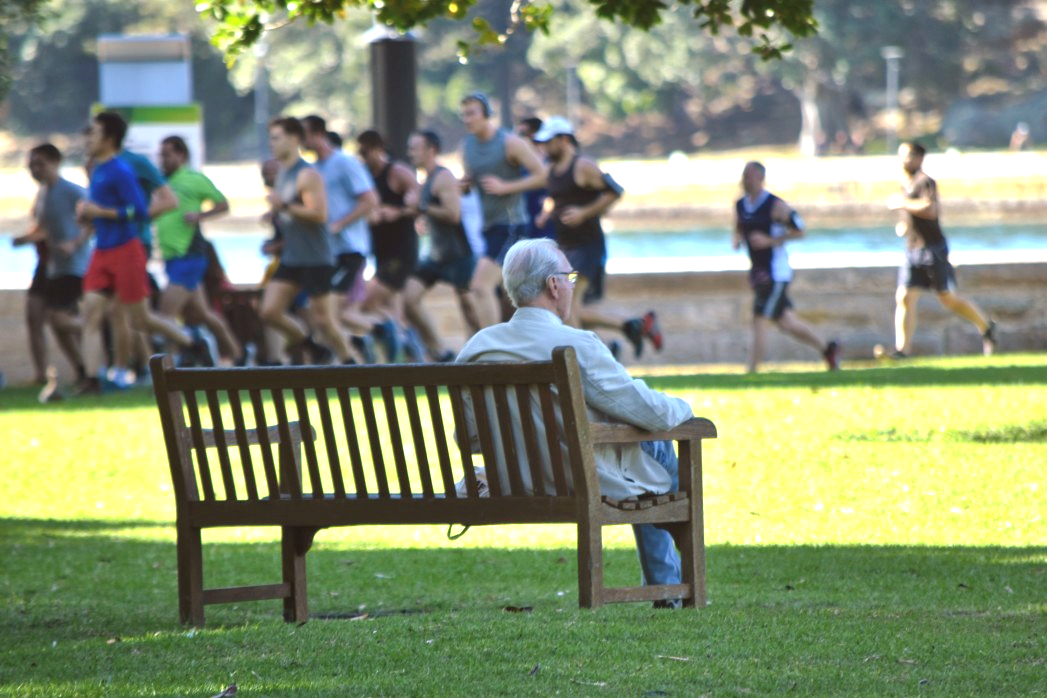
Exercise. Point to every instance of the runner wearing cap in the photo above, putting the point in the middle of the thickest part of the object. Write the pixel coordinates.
(493, 158)
(579, 193)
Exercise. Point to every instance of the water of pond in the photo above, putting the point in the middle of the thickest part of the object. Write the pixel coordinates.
(697, 249)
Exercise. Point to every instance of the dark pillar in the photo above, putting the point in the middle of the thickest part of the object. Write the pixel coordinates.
(394, 91)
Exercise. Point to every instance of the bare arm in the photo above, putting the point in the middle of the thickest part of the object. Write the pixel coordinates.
(445, 188)
(402, 181)
(922, 207)
(314, 199)
(588, 176)
(517, 152)
(219, 208)
(366, 203)
(162, 201)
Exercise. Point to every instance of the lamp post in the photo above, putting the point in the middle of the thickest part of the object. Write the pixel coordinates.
(261, 98)
(893, 56)
(394, 86)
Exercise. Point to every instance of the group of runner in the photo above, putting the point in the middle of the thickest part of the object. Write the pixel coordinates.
(765, 223)
(333, 214)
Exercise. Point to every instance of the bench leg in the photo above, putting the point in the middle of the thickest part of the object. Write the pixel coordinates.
(294, 545)
(590, 565)
(190, 576)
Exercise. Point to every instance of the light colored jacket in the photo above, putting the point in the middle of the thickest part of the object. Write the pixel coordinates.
(611, 395)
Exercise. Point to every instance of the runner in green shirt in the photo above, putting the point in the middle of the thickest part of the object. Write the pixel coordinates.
(184, 248)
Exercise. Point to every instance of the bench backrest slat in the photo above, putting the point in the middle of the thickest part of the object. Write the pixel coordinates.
(396, 440)
(218, 427)
(461, 432)
(532, 450)
(204, 469)
(290, 477)
(421, 454)
(334, 463)
(301, 404)
(242, 441)
(553, 439)
(436, 417)
(486, 436)
(374, 440)
(352, 443)
(272, 479)
(509, 446)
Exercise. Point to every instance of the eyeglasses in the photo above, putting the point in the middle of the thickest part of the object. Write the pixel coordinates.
(572, 275)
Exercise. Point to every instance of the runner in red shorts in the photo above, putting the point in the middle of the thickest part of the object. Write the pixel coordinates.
(115, 202)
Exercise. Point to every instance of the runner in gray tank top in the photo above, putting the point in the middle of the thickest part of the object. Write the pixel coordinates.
(495, 161)
(306, 243)
(299, 203)
(450, 258)
(579, 194)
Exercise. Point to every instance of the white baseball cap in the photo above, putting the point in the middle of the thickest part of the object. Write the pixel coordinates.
(552, 127)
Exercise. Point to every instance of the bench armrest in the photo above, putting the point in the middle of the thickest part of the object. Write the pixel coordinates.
(693, 428)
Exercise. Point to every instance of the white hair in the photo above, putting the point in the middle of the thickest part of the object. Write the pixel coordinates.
(528, 265)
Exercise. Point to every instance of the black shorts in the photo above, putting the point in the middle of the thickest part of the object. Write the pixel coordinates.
(771, 300)
(393, 269)
(590, 260)
(499, 238)
(312, 280)
(64, 292)
(38, 285)
(928, 268)
(347, 267)
(458, 272)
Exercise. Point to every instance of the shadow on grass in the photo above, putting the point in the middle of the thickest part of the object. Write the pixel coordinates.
(1033, 432)
(24, 399)
(71, 576)
(903, 375)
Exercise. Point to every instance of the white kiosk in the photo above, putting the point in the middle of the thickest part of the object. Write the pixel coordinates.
(149, 81)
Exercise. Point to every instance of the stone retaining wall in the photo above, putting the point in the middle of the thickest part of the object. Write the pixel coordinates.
(706, 315)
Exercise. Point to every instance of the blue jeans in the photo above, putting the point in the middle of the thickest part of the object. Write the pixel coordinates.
(659, 560)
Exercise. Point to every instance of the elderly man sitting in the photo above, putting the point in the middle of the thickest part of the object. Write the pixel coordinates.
(540, 282)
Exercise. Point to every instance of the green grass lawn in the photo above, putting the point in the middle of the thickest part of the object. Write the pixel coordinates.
(873, 532)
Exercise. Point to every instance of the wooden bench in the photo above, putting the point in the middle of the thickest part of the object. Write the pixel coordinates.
(310, 447)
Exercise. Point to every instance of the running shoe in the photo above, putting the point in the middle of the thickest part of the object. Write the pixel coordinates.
(87, 387)
(365, 345)
(319, 355)
(652, 330)
(633, 331)
(832, 355)
(897, 355)
(989, 339)
(121, 378)
(414, 352)
(389, 335)
(50, 392)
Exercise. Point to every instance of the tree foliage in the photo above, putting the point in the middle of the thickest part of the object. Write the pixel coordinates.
(16, 16)
(241, 23)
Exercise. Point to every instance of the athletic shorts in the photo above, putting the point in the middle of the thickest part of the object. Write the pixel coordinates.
(347, 267)
(186, 271)
(64, 292)
(499, 238)
(393, 270)
(458, 272)
(119, 269)
(928, 268)
(589, 260)
(770, 300)
(38, 285)
(314, 281)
